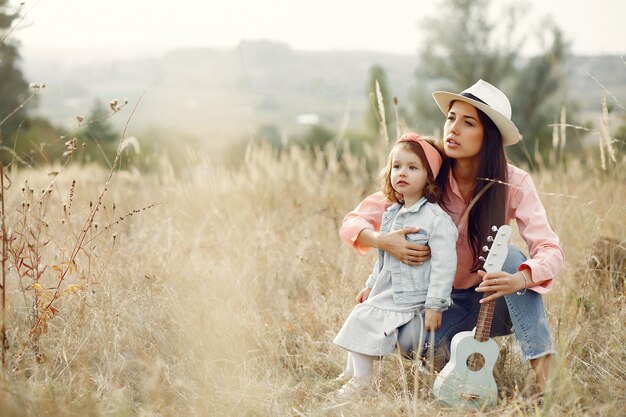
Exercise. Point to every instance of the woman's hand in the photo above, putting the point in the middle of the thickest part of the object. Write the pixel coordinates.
(501, 283)
(432, 320)
(396, 245)
(363, 294)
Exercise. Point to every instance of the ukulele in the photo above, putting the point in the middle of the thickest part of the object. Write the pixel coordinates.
(467, 379)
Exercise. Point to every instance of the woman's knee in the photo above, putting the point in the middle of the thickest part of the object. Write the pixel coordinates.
(408, 336)
(514, 259)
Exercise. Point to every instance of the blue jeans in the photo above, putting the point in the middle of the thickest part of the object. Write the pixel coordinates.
(523, 315)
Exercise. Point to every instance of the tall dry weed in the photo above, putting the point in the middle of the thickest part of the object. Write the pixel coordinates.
(225, 298)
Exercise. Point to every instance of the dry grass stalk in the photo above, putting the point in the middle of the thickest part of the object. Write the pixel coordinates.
(381, 113)
(220, 306)
(3, 329)
(26, 245)
(605, 137)
(563, 134)
(226, 303)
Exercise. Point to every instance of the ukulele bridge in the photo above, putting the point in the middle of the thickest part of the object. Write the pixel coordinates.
(470, 397)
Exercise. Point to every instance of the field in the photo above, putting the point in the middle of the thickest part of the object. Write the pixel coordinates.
(223, 295)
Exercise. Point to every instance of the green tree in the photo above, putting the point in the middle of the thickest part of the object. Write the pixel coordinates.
(40, 143)
(14, 90)
(463, 44)
(373, 118)
(98, 127)
(316, 136)
(99, 135)
(537, 97)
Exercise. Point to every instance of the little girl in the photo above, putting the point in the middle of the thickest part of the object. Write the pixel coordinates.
(395, 292)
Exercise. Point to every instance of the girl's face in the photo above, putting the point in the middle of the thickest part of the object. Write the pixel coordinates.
(462, 132)
(408, 175)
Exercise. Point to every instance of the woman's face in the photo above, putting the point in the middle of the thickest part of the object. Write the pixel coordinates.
(462, 132)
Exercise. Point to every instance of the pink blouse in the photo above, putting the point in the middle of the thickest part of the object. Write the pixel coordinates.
(523, 205)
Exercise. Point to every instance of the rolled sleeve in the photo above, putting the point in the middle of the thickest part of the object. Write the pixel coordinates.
(367, 215)
(438, 304)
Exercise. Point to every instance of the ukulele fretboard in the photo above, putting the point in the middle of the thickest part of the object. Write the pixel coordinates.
(485, 317)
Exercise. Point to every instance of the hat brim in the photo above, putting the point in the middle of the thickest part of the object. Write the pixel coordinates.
(510, 134)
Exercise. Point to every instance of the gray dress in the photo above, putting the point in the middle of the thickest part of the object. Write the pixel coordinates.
(371, 327)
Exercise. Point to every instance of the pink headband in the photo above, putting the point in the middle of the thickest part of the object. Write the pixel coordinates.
(432, 155)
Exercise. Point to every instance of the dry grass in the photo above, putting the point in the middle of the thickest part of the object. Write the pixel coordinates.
(224, 299)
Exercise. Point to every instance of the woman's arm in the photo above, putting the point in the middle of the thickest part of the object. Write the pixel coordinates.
(546, 257)
(396, 245)
(367, 215)
(360, 230)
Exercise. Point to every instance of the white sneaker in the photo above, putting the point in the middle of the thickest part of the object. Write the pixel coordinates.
(354, 388)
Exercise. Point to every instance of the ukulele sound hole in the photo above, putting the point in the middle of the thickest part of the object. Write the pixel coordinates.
(475, 361)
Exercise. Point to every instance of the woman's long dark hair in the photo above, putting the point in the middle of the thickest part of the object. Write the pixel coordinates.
(489, 209)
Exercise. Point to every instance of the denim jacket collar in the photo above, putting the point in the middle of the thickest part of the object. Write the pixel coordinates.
(413, 209)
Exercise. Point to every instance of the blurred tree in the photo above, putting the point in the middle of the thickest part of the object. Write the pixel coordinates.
(372, 116)
(98, 127)
(99, 135)
(40, 143)
(269, 133)
(14, 90)
(537, 98)
(317, 136)
(463, 44)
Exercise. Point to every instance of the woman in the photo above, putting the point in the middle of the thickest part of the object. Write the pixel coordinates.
(477, 128)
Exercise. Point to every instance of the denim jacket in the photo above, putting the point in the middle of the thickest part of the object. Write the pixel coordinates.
(430, 282)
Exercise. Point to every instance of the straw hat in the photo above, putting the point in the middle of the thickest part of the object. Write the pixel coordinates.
(490, 101)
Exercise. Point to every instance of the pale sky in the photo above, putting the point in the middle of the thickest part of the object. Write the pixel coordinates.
(595, 27)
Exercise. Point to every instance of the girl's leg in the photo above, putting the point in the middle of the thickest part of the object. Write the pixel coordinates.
(360, 382)
(363, 365)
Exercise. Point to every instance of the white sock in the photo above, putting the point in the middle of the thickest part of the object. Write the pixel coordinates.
(363, 365)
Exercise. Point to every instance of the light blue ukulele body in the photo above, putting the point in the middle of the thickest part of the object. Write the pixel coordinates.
(467, 379)
(457, 384)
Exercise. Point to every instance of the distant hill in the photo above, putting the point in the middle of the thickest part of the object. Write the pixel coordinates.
(222, 95)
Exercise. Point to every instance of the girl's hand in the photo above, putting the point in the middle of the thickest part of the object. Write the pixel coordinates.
(365, 292)
(396, 245)
(501, 283)
(432, 320)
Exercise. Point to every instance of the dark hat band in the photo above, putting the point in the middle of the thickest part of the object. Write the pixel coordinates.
(473, 97)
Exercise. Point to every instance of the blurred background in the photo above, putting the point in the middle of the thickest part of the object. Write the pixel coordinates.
(218, 75)
(247, 129)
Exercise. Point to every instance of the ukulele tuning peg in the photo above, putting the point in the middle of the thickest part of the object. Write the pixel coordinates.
(481, 258)
(485, 248)
(494, 228)
(489, 238)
